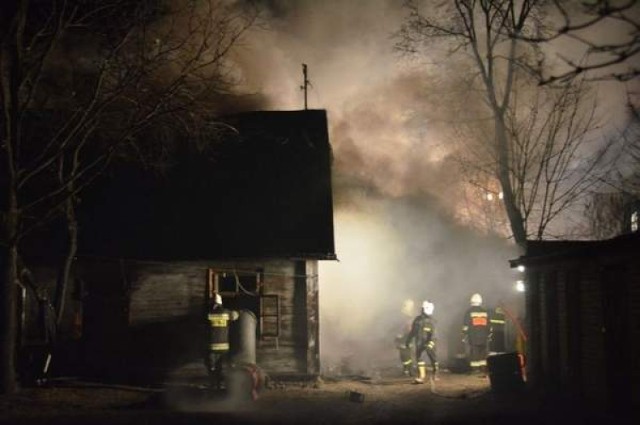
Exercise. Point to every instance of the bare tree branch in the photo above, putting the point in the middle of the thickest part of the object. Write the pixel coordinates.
(538, 158)
(80, 82)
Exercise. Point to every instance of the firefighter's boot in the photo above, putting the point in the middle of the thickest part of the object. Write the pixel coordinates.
(434, 372)
(406, 368)
(422, 374)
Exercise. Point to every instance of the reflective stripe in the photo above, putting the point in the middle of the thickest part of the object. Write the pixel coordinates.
(427, 329)
(479, 321)
(465, 328)
(219, 346)
(218, 323)
(478, 314)
(218, 320)
(498, 321)
(408, 362)
(431, 344)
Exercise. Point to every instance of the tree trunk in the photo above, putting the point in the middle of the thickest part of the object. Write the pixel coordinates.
(8, 312)
(65, 271)
(72, 234)
(504, 176)
(13, 26)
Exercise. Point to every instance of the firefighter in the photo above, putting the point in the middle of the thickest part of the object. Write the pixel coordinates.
(423, 331)
(405, 351)
(498, 323)
(476, 331)
(217, 350)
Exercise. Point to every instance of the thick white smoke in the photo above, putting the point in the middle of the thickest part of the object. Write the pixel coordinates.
(391, 250)
(397, 189)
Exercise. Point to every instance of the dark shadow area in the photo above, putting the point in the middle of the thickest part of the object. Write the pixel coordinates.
(140, 355)
(263, 189)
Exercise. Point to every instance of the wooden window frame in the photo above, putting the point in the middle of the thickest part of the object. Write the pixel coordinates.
(213, 286)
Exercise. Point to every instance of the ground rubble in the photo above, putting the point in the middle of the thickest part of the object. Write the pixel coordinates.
(351, 399)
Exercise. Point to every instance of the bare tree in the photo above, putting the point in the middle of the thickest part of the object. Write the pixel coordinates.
(489, 32)
(555, 163)
(628, 180)
(585, 26)
(608, 210)
(605, 214)
(532, 156)
(80, 81)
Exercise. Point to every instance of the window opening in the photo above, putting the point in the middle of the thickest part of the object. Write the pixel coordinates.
(244, 290)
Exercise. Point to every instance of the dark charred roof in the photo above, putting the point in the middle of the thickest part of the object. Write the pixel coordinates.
(264, 191)
(538, 252)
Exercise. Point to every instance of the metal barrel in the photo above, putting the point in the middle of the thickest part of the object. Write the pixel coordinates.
(505, 372)
(242, 336)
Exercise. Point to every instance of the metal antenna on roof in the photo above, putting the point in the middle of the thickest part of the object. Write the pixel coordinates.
(305, 83)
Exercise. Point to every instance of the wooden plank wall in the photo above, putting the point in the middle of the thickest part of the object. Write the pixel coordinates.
(553, 338)
(284, 355)
(534, 351)
(574, 329)
(297, 348)
(313, 318)
(543, 342)
(634, 327)
(566, 324)
(162, 305)
(162, 292)
(592, 341)
(564, 360)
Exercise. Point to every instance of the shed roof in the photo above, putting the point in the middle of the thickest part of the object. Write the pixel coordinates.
(264, 192)
(538, 252)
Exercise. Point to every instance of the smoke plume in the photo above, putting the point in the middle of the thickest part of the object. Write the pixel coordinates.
(397, 187)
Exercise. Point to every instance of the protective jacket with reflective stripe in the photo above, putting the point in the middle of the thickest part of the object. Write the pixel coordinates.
(218, 329)
(476, 325)
(498, 323)
(498, 320)
(423, 330)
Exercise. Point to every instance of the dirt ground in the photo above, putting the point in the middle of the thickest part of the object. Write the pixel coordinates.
(454, 399)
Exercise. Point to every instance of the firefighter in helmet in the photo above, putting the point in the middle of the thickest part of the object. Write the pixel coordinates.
(497, 344)
(423, 330)
(476, 331)
(405, 351)
(218, 319)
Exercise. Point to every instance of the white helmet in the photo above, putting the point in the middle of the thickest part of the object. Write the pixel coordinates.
(476, 299)
(217, 299)
(428, 307)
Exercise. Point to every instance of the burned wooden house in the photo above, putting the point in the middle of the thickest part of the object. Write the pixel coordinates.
(249, 219)
(583, 318)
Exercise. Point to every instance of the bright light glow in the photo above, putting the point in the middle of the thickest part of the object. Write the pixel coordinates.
(489, 196)
(500, 195)
(521, 268)
(346, 284)
(520, 286)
